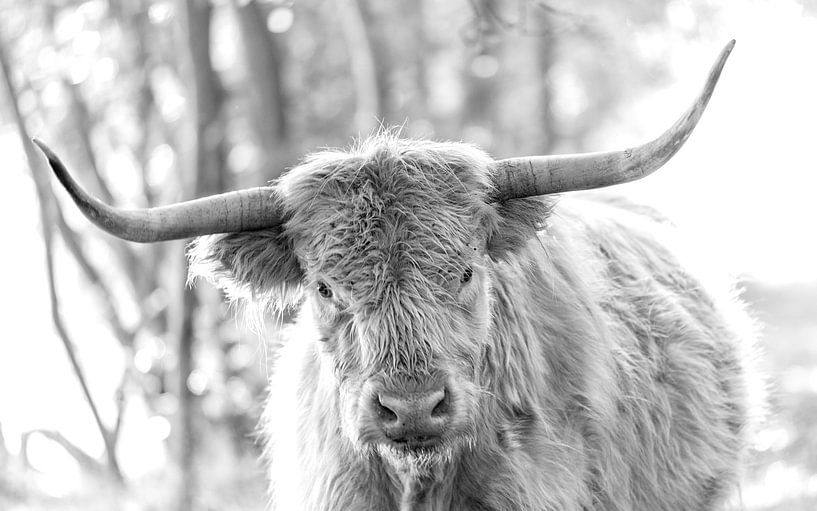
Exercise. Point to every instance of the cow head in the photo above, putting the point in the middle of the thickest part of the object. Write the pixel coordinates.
(384, 248)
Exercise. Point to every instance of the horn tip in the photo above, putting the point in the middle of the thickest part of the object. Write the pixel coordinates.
(45, 149)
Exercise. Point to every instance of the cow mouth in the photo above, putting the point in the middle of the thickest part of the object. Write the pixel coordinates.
(417, 443)
(417, 452)
(424, 447)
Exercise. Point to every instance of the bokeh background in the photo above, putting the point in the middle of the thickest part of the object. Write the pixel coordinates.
(120, 388)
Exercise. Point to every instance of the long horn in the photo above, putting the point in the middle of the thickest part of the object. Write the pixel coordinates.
(243, 210)
(542, 175)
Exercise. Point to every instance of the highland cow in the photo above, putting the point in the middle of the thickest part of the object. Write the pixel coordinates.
(467, 341)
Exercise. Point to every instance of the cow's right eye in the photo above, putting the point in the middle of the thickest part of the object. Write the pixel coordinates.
(324, 290)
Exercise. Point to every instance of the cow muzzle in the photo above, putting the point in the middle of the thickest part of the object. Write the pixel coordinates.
(413, 416)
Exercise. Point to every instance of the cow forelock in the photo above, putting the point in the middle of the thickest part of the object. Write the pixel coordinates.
(392, 228)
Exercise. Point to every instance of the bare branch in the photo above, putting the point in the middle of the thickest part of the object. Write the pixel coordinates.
(138, 27)
(4, 453)
(74, 245)
(82, 117)
(71, 239)
(487, 19)
(127, 258)
(40, 175)
(87, 462)
(120, 404)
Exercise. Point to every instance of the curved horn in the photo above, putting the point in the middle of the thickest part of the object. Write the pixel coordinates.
(243, 210)
(542, 175)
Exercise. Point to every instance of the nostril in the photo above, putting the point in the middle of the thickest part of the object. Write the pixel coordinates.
(383, 411)
(441, 408)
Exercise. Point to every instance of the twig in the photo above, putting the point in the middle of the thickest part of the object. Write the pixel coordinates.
(71, 239)
(145, 103)
(487, 18)
(126, 255)
(86, 461)
(120, 403)
(84, 125)
(4, 453)
(82, 116)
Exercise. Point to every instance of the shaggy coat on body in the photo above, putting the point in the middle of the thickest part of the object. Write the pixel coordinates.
(586, 367)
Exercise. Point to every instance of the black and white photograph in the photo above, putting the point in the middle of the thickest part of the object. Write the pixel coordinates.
(408, 255)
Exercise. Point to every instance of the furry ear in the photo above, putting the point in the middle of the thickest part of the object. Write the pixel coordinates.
(257, 266)
(513, 223)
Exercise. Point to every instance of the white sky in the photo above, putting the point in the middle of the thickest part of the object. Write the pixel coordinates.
(743, 187)
(744, 183)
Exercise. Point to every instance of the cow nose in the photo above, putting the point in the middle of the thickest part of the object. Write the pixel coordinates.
(415, 419)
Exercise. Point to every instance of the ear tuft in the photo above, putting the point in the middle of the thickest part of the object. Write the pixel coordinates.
(515, 222)
(256, 266)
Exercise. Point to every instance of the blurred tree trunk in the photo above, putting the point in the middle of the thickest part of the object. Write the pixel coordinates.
(480, 78)
(546, 61)
(137, 23)
(265, 54)
(510, 93)
(421, 49)
(378, 33)
(206, 176)
(362, 63)
(209, 143)
(528, 55)
(186, 432)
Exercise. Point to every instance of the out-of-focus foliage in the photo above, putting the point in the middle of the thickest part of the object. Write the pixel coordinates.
(152, 101)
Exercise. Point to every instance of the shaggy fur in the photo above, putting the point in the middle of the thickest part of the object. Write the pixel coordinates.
(589, 368)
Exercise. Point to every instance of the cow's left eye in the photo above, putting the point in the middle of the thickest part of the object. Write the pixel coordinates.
(324, 290)
(467, 275)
